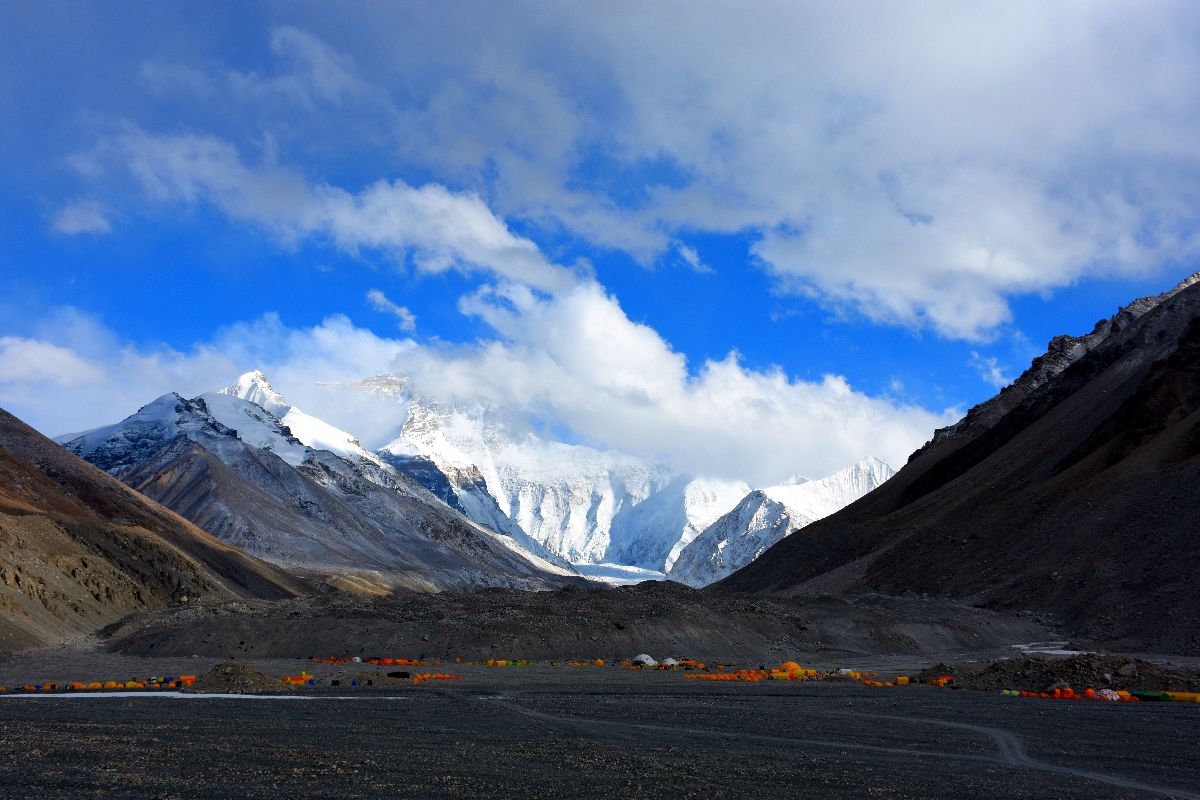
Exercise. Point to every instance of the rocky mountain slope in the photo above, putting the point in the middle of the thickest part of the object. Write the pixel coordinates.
(1073, 492)
(79, 550)
(236, 470)
(766, 516)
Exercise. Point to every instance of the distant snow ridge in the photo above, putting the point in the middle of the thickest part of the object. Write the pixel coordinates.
(585, 505)
(654, 532)
(766, 516)
(573, 500)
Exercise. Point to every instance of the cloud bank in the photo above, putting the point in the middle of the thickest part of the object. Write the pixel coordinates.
(914, 164)
(575, 360)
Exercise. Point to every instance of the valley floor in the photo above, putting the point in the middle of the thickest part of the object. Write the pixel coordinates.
(592, 732)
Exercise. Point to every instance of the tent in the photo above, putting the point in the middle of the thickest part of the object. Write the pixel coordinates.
(643, 660)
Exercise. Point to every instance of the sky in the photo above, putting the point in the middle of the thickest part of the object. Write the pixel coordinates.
(749, 239)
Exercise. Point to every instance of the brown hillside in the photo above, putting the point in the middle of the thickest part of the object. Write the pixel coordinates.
(79, 549)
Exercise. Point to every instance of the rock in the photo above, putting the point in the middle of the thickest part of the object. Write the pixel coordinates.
(234, 678)
(1078, 672)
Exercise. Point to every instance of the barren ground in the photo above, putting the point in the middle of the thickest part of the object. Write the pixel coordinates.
(592, 732)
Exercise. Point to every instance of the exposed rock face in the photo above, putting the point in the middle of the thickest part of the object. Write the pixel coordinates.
(1072, 493)
(425, 472)
(78, 549)
(1061, 352)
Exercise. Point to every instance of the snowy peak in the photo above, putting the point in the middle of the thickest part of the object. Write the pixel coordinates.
(254, 387)
(569, 498)
(256, 426)
(237, 471)
(211, 418)
(817, 499)
(115, 446)
(766, 516)
(390, 386)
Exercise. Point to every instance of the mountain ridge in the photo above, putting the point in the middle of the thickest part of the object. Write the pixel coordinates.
(1073, 496)
(236, 467)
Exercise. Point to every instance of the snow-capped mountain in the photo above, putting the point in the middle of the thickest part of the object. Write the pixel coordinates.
(765, 516)
(315, 433)
(320, 435)
(236, 470)
(583, 504)
(670, 519)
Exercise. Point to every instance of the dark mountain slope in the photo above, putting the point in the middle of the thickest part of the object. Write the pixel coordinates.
(1075, 492)
(79, 550)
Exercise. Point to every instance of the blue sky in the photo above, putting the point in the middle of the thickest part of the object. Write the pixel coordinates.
(882, 211)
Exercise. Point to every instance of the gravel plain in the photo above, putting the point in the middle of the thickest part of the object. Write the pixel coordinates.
(547, 731)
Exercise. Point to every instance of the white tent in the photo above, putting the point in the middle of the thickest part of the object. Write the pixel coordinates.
(644, 660)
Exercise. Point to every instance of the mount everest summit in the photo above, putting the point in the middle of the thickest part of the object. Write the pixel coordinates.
(455, 500)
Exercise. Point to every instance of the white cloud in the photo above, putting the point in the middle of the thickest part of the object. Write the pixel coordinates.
(429, 226)
(916, 164)
(24, 361)
(380, 302)
(574, 361)
(81, 216)
(692, 258)
(989, 370)
(312, 73)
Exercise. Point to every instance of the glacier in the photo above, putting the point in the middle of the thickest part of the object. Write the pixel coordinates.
(586, 505)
